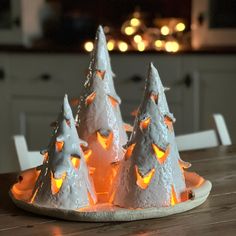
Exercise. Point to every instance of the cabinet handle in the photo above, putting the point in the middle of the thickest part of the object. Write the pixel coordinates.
(186, 81)
(46, 77)
(136, 78)
(2, 74)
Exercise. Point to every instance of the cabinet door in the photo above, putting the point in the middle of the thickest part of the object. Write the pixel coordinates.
(32, 118)
(217, 80)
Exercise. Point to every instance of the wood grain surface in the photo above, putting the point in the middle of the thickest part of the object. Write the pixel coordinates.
(217, 216)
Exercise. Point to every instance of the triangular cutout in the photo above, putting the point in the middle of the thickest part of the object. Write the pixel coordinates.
(105, 140)
(113, 101)
(129, 151)
(143, 181)
(57, 183)
(90, 98)
(160, 154)
(101, 74)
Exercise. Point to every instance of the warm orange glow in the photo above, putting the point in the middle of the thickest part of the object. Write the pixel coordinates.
(165, 30)
(180, 26)
(168, 123)
(105, 141)
(88, 46)
(75, 162)
(87, 154)
(173, 199)
(137, 38)
(111, 45)
(172, 46)
(113, 101)
(91, 201)
(160, 154)
(59, 146)
(144, 181)
(23, 188)
(101, 74)
(129, 30)
(145, 123)
(34, 195)
(129, 151)
(123, 46)
(57, 183)
(141, 46)
(159, 44)
(135, 22)
(154, 98)
(91, 170)
(89, 99)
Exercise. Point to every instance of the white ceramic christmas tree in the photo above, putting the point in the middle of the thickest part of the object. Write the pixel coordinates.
(99, 119)
(150, 174)
(64, 181)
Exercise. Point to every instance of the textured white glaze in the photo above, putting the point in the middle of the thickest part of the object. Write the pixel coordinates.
(101, 116)
(77, 186)
(126, 192)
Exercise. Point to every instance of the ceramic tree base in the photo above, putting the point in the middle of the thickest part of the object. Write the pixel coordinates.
(108, 213)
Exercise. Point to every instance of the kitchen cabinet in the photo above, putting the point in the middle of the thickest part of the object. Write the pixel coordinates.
(33, 86)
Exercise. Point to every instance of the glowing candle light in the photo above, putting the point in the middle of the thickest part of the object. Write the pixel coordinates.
(180, 26)
(137, 38)
(165, 30)
(88, 46)
(111, 45)
(129, 30)
(135, 22)
(172, 46)
(123, 46)
(141, 46)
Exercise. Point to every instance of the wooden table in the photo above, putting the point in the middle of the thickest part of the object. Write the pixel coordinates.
(217, 216)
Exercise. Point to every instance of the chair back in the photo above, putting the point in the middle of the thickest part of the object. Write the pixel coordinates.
(26, 158)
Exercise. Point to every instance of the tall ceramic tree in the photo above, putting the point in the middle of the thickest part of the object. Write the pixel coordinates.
(99, 119)
(150, 174)
(64, 180)
(157, 92)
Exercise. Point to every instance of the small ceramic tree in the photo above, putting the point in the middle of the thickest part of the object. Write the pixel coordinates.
(99, 119)
(64, 180)
(150, 174)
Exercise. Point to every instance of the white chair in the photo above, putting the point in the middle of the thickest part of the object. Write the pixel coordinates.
(27, 159)
(205, 139)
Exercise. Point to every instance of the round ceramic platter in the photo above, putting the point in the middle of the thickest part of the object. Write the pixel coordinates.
(109, 213)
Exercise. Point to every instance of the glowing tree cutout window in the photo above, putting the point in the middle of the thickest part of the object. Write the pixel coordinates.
(144, 181)
(105, 140)
(56, 183)
(75, 161)
(90, 98)
(101, 74)
(129, 151)
(145, 123)
(59, 145)
(160, 154)
(113, 101)
(87, 154)
(154, 98)
(34, 195)
(173, 199)
(168, 123)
